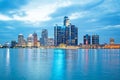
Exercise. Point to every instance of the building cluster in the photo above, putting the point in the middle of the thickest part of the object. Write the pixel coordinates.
(33, 41)
(65, 36)
(90, 41)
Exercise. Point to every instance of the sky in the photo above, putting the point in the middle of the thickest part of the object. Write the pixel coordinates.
(25, 17)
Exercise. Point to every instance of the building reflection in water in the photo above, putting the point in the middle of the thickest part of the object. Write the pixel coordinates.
(58, 64)
(7, 57)
(7, 61)
(111, 56)
(21, 55)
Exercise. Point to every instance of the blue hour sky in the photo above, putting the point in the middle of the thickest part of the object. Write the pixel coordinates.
(100, 17)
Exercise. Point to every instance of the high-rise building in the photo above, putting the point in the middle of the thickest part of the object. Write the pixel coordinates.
(111, 41)
(30, 41)
(35, 39)
(87, 39)
(21, 41)
(67, 34)
(44, 37)
(71, 35)
(66, 21)
(95, 39)
(59, 35)
(13, 44)
(50, 42)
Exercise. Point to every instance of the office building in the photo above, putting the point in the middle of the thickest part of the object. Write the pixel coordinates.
(59, 35)
(44, 37)
(21, 41)
(30, 41)
(87, 39)
(50, 42)
(35, 39)
(13, 44)
(66, 34)
(66, 21)
(71, 35)
(95, 39)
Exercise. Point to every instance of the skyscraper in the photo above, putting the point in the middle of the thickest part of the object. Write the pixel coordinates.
(66, 21)
(87, 39)
(95, 39)
(13, 44)
(66, 34)
(30, 40)
(71, 35)
(35, 39)
(50, 42)
(59, 35)
(44, 37)
(74, 35)
(21, 41)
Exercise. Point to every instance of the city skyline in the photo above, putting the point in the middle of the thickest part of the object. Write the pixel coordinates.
(91, 17)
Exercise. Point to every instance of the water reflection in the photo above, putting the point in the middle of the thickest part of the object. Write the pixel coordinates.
(58, 64)
(7, 57)
(7, 68)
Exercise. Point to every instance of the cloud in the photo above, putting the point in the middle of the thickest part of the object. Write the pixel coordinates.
(104, 28)
(4, 17)
(10, 27)
(33, 15)
(8, 5)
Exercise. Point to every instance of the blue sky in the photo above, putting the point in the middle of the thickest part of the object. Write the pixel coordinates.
(100, 17)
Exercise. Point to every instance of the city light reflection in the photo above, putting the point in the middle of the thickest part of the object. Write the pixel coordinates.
(8, 57)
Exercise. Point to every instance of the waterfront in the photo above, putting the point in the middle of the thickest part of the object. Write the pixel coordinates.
(59, 64)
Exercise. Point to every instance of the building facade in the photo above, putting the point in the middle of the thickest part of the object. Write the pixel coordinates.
(50, 42)
(66, 34)
(95, 39)
(30, 41)
(87, 39)
(21, 41)
(59, 35)
(66, 21)
(13, 44)
(44, 37)
(35, 39)
(71, 35)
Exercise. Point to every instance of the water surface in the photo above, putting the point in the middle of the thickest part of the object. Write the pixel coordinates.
(59, 64)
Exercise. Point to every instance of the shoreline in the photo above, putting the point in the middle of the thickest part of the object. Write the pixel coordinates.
(53, 48)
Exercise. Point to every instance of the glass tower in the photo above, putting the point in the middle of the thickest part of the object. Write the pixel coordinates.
(44, 37)
(95, 39)
(35, 39)
(87, 39)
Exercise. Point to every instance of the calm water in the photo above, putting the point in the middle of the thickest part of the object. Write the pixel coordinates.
(59, 64)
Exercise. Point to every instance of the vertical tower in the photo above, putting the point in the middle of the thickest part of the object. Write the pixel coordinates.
(74, 35)
(66, 34)
(95, 39)
(20, 40)
(30, 40)
(66, 21)
(35, 39)
(59, 35)
(87, 39)
(71, 35)
(44, 37)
